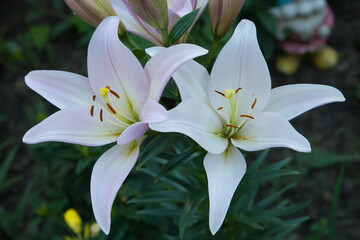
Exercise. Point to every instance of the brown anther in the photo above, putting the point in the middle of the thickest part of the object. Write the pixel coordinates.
(101, 115)
(220, 93)
(248, 116)
(108, 87)
(94, 97)
(92, 110)
(220, 108)
(253, 105)
(238, 90)
(229, 125)
(111, 108)
(115, 94)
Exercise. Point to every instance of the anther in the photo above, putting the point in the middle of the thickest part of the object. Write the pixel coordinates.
(93, 98)
(220, 108)
(253, 105)
(92, 110)
(248, 116)
(101, 115)
(220, 93)
(111, 108)
(229, 125)
(238, 90)
(115, 94)
(108, 87)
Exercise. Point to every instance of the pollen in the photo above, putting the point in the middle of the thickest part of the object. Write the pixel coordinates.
(93, 98)
(111, 108)
(238, 90)
(247, 116)
(229, 125)
(220, 108)
(101, 115)
(92, 110)
(220, 93)
(115, 94)
(229, 93)
(104, 91)
(253, 105)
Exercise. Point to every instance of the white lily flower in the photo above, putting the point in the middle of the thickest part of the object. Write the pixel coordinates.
(235, 107)
(115, 104)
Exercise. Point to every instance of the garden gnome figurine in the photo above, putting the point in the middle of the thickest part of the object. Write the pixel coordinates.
(303, 27)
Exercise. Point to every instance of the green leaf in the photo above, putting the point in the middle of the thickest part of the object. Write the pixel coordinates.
(248, 221)
(267, 20)
(268, 200)
(278, 165)
(190, 208)
(255, 165)
(139, 53)
(182, 25)
(267, 175)
(160, 212)
(320, 158)
(162, 196)
(6, 164)
(157, 145)
(184, 157)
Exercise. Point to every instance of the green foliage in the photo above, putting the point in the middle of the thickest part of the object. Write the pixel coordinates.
(182, 25)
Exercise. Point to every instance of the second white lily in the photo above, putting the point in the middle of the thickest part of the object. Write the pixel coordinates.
(235, 107)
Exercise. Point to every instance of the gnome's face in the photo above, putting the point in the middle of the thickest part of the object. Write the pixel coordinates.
(300, 17)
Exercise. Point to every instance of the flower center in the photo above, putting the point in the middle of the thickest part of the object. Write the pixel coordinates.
(110, 105)
(233, 121)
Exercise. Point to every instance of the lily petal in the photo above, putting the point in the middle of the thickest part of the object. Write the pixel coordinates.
(241, 64)
(132, 132)
(224, 172)
(111, 63)
(73, 125)
(292, 100)
(161, 67)
(153, 112)
(198, 121)
(131, 21)
(62, 89)
(108, 175)
(269, 130)
(192, 80)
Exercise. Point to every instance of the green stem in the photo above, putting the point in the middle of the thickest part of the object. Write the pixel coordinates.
(335, 202)
(129, 41)
(165, 36)
(214, 46)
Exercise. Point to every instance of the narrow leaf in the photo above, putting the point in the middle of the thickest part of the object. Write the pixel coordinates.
(163, 196)
(182, 25)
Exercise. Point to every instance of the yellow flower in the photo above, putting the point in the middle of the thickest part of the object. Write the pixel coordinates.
(73, 220)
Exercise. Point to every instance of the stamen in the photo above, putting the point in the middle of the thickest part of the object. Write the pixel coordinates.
(220, 93)
(248, 116)
(108, 87)
(115, 94)
(101, 115)
(92, 110)
(253, 105)
(111, 108)
(220, 108)
(229, 125)
(93, 98)
(238, 90)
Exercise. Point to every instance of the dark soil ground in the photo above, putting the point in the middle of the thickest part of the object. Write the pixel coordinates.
(334, 127)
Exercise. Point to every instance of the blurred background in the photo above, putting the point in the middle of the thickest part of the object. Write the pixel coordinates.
(38, 183)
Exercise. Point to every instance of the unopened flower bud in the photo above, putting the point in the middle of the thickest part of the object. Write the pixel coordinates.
(73, 220)
(223, 14)
(93, 11)
(153, 12)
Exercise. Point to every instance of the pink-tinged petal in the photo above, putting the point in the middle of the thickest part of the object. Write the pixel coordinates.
(153, 112)
(292, 100)
(111, 63)
(133, 132)
(181, 7)
(108, 175)
(132, 22)
(73, 125)
(63, 89)
(192, 80)
(241, 64)
(224, 172)
(198, 121)
(161, 67)
(269, 130)
(173, 18)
